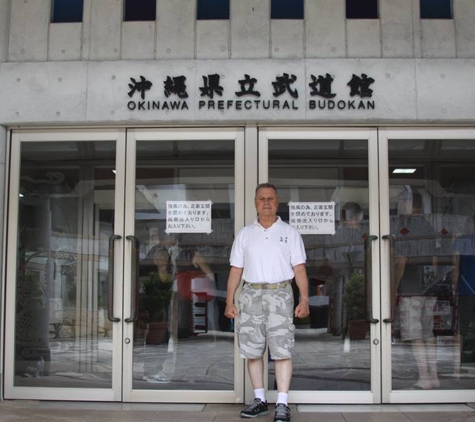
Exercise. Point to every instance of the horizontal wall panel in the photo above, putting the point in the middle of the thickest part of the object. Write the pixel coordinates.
(350, 91)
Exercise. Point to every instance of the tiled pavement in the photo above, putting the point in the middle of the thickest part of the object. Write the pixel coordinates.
(34, 411)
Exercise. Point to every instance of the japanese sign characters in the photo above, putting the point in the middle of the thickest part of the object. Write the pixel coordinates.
(283, 84)
(312, 217)
(251, 92)
(175, 85)
(188, 217)
(139, 86)
(359, 86)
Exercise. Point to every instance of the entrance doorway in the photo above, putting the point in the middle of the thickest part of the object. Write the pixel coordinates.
(116, 233)
(398, 261)
(427, 239)
(331, 175)
(115, 291)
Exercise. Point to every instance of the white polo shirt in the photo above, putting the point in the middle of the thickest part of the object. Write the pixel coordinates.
(268, 255)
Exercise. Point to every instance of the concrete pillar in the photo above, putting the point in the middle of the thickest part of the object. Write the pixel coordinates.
(4, 28)
(212, 39)
(175, 29)
(106, 19)
(396, 28)
(250, 29)
(287, 40)
(325, 25)
(29, 25)
(464, 15)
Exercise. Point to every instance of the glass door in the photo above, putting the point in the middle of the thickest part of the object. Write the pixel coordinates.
(428, 255)
(328, 189)
(184, 199)
(117, 262)
(65, 217)
(118, 257)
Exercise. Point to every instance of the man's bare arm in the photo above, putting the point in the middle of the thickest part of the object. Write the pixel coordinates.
(233, 283)
(302, 310)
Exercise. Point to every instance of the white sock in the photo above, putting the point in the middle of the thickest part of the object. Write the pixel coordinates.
(282, 398)
(260, 393)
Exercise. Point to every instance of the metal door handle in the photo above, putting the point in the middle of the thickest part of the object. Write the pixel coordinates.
(392, 276)
(134, 297)
(368, 269)
(110, 279)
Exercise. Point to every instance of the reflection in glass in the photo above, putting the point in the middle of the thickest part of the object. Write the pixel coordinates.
(436, 9)
(182, 339)
(431, 215)
(332, 349)
(287, 9)
(144, 10)
(66, 203)
(67, 11)
(212, 9)
(361, 9)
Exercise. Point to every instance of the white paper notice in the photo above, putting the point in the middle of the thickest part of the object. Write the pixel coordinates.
(189, 217)
(312, 217)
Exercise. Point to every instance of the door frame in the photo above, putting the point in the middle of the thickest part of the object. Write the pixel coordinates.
(121, 384)
(370, 135)
(251, 167)
(11, 219)
(179, 134)
(406, 396)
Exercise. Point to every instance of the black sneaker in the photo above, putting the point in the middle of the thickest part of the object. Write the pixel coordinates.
(255, 409)
(282, 413)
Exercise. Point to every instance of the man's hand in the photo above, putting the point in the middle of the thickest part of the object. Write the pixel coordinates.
(231, 311)
(233, 282)
(302, 310)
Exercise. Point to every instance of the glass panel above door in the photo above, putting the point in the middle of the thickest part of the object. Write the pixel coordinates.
(332, 349)
(63, 337)
(184, 228)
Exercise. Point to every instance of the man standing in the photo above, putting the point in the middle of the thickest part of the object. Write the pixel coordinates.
(267, 255)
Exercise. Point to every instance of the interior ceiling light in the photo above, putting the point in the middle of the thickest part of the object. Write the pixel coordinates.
(410, 171)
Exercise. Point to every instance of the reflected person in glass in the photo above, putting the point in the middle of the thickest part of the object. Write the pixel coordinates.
(159, 306)
(183, 276)
(267, 255)
(350, 238)
(346, 257)
(416, 274)
(463, 290)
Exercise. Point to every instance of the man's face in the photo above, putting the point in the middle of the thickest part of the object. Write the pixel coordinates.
(266, 202)
(161, 258)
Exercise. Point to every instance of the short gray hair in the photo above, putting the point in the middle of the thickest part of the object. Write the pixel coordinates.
(265, 185)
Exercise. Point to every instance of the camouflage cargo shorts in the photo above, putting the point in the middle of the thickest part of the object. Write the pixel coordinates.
(266, 317)
(417, 317)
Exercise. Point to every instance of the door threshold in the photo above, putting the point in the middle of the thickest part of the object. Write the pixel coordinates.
(315, 408)
(77, 405)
